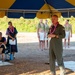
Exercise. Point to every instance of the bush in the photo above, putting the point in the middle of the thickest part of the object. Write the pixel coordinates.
(29, 25)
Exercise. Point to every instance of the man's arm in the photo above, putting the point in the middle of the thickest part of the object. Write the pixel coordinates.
(38, 30)
(60, 35)
(71, 30)
(61, 32)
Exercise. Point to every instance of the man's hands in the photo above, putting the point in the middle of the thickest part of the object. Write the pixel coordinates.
(52, 36)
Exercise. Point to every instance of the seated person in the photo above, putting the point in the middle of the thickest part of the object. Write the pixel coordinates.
(2, 46)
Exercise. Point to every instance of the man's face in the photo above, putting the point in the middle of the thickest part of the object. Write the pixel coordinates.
(66, 22)
(54, 19)
(46, 21)
(41, 21)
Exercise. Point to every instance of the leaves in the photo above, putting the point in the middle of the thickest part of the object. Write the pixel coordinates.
(30, 25)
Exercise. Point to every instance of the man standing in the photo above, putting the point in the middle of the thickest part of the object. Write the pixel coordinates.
(56, 33)
(46, 33)
(68, 32)
(41, 34)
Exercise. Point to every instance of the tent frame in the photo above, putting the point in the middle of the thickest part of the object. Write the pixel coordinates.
(64, 10)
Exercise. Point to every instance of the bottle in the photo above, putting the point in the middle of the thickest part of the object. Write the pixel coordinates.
(11, 56)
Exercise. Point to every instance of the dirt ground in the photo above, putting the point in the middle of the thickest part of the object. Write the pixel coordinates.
(30, 60)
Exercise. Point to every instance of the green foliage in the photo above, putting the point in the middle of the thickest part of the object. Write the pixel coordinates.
(30, 25)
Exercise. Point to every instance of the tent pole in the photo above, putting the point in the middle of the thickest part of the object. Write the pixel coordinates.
(48, 8)
(68, 14)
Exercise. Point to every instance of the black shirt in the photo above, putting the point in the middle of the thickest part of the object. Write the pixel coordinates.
(3, 39)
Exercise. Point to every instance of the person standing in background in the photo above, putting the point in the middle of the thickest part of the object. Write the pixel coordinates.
(41, 34)
(68, 32)
(46, 33)
(11, 36)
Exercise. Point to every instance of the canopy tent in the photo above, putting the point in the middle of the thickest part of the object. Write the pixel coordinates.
(39, 8)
